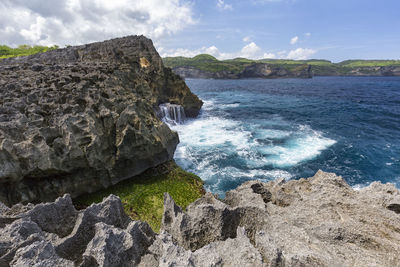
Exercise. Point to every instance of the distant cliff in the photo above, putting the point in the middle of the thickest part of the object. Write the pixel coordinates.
(208, 67)
(82, 118)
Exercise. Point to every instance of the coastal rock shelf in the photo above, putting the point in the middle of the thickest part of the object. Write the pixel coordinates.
(319, 221)
(79, 119)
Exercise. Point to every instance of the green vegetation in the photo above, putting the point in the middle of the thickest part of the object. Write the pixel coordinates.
(23, 50)
(319, 67)
(211, 64)
(143, 195)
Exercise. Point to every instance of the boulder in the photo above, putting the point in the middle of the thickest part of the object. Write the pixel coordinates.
(82, 118)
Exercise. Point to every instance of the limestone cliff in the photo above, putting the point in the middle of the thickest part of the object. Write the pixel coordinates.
(319, 221)
(255, 70)
(82, 118)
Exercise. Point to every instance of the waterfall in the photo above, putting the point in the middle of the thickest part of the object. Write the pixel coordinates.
(172, 114)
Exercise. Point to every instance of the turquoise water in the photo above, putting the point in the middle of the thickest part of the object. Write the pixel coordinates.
(266, 129)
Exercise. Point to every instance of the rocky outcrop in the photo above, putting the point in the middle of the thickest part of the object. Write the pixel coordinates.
(101, 235)
(319, 221)
(263, 70)
(82, 118)
(375, 71)
(255, 70)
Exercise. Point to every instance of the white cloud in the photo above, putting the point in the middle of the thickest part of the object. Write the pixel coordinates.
(250, 51)
(308, 34)
(301, 53)
(222, 5)
(72, 22)
(294, 40)
(269, 55)
(246, 39)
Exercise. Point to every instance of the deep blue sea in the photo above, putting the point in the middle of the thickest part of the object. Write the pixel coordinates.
(266, 129)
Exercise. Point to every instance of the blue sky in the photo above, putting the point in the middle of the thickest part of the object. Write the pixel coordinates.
(328, 29)
(333, 30)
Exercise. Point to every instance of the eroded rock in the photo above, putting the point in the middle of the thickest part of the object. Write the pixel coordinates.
(80, 119)
(322, 222)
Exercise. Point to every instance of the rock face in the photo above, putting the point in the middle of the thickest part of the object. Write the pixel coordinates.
(319, 221)
(82, 118)
(262, 70)
(256, 70)
(375, 71)
(101, 235)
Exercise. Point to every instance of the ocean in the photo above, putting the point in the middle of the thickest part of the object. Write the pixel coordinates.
(266, 129)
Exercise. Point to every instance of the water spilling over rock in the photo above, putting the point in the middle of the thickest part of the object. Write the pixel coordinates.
(172, 113)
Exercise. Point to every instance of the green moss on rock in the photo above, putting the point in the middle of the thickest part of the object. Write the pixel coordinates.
(142, 196)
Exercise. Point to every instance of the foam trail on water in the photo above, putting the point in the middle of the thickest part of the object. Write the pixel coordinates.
(306, 144)
(226, 152)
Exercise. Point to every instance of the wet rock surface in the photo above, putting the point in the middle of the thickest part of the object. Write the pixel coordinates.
(319, 221)
(79, 119)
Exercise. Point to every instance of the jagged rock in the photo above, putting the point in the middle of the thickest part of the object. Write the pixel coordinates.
(58, 217)
(40, 253)
(101, 235)
(110, 212)
(117, 247)
(231, 252)
(19, 234)
(324, 222)
(319, 221)
(79, 119)
(206, 220)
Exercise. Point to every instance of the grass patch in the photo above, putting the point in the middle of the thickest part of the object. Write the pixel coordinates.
(24, 50)
(143, 195)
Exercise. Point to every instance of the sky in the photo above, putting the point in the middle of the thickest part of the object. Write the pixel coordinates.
(335, 30)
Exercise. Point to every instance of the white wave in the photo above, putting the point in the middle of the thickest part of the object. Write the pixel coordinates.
(213, 131)
(226, 106)
(271, 134)
(208, 105)
(297, 149)
(265, 175)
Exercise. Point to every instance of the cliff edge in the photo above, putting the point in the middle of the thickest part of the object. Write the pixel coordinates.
(82, 118)
(319, 221)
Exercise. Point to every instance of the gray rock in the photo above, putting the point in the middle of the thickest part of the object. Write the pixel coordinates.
(58, 217)
(40, 253)
(118, 247)
(80, 119)
(319, 221)
(110, 212)
(17, 235)
(231, 252)
(206, 220)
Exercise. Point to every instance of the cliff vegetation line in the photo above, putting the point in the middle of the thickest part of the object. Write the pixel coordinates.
(203, 65)
(24, 50)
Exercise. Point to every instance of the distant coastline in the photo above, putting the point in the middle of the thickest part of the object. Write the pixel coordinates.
(208, 67)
